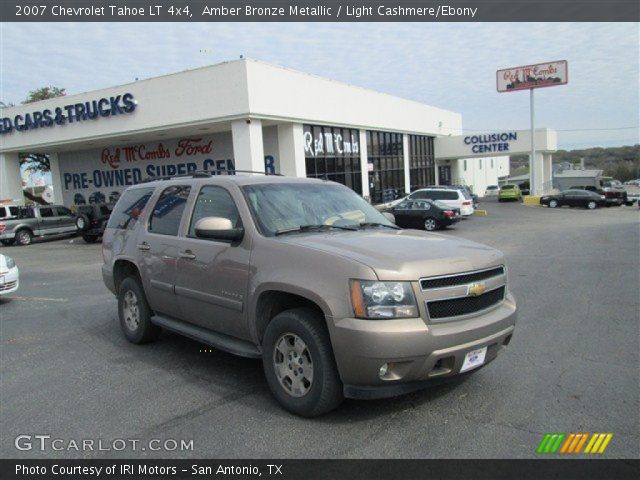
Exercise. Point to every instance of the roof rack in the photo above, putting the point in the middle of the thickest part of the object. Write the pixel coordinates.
(206, 174)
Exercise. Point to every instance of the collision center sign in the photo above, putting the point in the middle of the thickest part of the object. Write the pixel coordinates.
(526, 77)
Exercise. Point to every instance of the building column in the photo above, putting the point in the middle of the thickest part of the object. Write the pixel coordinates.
(547, 172)
(364, 165)
(248, 149)
(291, 150)
(56, 178)
(536, 168)
(405, 154)
(10, 178)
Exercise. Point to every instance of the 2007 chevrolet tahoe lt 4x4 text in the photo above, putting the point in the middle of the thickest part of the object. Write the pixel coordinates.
(306, 275)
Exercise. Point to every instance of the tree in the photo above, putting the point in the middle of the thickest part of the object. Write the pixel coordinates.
(39, 162)
(45, 93)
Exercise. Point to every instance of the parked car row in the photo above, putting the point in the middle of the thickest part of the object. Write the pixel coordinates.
(19, 225)
(454, 197)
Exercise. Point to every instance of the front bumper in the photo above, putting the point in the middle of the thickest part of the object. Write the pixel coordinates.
(417, 353)
(9, 281)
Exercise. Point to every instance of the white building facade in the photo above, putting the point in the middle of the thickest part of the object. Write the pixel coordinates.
(233, 116)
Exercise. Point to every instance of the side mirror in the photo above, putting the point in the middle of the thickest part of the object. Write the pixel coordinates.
(218, 228)
(390, 216)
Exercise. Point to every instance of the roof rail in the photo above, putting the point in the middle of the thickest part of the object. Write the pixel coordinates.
(206, 174)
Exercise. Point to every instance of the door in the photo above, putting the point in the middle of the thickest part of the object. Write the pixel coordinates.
(444, 175)
(66, 219)
(48, 221)
(403, 214)
(158, 249)
(569, 198)
(213, 275)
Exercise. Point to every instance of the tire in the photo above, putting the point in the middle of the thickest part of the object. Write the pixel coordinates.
(23, 237)
(131, 299)
(316, 395)
(591, 205)
(90, 238)
(82, 222)
(8, 242)
(553, 204)
(430, 224)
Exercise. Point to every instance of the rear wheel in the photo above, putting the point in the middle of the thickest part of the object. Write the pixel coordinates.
(23, 237)
(591, 205)
(553, 204)
(299, 363)
(82, 222)
(430, 224)
(134, 313)
(90, 238)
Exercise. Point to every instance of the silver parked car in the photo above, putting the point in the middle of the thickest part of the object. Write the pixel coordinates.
(306, 275)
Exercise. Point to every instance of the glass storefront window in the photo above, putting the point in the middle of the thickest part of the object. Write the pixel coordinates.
(385, 152)
(333, 153)
(421, 161)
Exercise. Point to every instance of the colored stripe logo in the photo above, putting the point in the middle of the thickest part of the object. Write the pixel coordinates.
(573, 443)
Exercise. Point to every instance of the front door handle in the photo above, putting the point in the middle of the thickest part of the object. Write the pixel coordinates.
(144, 246)
(188, 254)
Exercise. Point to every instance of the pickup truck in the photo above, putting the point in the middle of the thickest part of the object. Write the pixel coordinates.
(37, 221)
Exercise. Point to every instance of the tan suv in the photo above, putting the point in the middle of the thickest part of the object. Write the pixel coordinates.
(334, 298)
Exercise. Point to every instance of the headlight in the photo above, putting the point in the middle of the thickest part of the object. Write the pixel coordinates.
(383, 300)
(10, 262)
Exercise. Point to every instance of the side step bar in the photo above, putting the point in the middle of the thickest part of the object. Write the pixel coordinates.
(217, 340)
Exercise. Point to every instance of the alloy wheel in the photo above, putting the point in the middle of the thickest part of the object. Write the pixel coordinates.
(293, 364)
(429, 224)
(131, 310)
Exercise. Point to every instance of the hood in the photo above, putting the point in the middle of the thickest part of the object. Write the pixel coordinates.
(402, 254)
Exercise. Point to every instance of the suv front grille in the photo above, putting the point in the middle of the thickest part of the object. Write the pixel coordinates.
(465, 305)
(461, 279)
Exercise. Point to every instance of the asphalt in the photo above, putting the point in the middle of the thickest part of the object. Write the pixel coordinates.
(572, 366)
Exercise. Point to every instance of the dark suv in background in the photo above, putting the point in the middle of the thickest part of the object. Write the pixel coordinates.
(91, 220)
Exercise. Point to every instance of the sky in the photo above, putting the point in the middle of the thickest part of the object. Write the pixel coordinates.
(448, 65)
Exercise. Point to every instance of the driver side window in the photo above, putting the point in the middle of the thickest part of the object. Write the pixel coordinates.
(213, 201)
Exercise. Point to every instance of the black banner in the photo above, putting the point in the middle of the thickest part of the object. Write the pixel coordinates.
(322, 469)
(320, 11)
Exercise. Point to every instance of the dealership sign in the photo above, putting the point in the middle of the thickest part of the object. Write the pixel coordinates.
(547, 74)
(99, 175)
(330, 144)
(491, 142)
(72, 113)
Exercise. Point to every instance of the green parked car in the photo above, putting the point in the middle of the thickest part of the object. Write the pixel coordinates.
(509, 192)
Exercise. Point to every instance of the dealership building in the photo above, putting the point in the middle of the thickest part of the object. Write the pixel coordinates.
(253, 116)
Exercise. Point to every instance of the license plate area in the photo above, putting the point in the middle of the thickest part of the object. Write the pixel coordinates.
(474, 359)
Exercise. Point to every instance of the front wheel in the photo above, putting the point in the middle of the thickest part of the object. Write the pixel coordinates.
(299, 364)
(553, 204)
(591, 205)
(430, 224)
(134, 313)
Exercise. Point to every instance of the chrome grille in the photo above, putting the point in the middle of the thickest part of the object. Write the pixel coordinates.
(7, 286)
(457, 296)
(461, 279)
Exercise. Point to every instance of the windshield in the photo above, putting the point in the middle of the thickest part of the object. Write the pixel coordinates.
(281, 207)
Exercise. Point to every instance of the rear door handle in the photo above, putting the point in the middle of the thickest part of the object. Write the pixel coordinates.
(188, 254)
(144, 246)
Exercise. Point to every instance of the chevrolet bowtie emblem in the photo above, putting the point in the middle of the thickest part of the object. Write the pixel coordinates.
(477, 289)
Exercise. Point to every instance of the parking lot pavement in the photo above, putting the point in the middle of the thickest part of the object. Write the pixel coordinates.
(67, 371)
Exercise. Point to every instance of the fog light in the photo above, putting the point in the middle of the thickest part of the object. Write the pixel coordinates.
(383, 370)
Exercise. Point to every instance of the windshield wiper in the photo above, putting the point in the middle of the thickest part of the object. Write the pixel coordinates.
(377, 224)
(313, 228)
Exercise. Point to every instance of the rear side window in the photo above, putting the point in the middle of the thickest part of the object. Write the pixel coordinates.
(46, 212)
(64, 212)
(167, 213)
(432, 194)
(129, 207)
(449, 195)
(213, 202)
